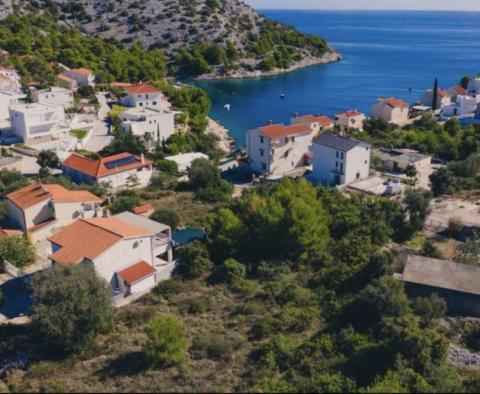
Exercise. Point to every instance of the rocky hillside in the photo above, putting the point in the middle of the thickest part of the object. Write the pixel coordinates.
(223, 36)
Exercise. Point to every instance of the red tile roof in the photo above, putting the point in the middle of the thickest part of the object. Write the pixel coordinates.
(98, 168)
(459, 90)
(325, 121)
(141, 88)
(6, 232)
(60, 194)
(396, 103)
(143, 209)
(29, 196)
(279, 130)
(350, 114)
(82, 71)
(89, 238)
(136, 272)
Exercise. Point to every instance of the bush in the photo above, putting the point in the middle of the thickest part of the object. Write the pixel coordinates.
(166, 216)
(163, 181)
(16, 250)
(71, 306)
(429, 308)
(167, 166)
(198, 306)
(231, 271)
(168, 288)
(166, 344)
(125, 203)
(214, 347)
(194, 260)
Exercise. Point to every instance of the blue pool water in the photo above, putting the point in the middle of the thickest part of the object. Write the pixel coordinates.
(385, 53)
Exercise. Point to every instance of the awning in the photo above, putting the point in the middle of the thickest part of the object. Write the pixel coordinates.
(136, 272)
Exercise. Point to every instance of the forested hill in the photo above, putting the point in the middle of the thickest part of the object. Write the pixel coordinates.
(198, 36)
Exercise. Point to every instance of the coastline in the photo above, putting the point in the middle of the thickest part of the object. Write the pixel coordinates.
(225, 142)
(308, 61)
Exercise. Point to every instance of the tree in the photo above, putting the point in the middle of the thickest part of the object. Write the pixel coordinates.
(166, 216)
(3, 211)
(465, 81)
(71, 307)
(194, 260)
(411, 172)
(205, 179)
(231, 271)
(166, 342)
(47, 159)
(417, 207)
(16, 250)
(167, 166)
(125, 203)
(442, 182)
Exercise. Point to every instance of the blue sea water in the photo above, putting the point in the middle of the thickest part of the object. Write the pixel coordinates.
(385, 53)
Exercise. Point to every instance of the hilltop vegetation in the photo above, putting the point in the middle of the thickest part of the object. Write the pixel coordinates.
(191, 37)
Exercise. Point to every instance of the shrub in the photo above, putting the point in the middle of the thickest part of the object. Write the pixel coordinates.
(231, 271)
(198, 306)
(214, 347)
(168, 288)
(194, 260)
(71, 306)
(125, 203)
(16, 250)
(432, 307)
(167, 166)
(166, 216)
(166, 343)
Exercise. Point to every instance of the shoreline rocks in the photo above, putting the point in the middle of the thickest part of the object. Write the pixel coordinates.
(225, 142)
(307, 61)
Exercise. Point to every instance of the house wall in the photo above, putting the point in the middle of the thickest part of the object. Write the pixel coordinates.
(146, 100)
(36, 123)
(68, 212)
(6, 100)
(43, 233)
(427, 100)
(16, 216)
(254, 144)
(143, 285)
(323, 164)
(38, 213)
(122, 255)
(395, 115)
(357, 164)
(78, 177)
(160, 126)
(474, 86)
(80, 78)
(354, 123)
(120, 179)
(56, 97)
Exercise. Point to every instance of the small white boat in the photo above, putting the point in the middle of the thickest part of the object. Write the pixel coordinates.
(227, 107)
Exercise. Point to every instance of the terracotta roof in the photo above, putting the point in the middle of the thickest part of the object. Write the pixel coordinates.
(6, 232)
(141, 88)
(143, 209)
(29, 196)
(82, 71)
(459, 90)
(279, 130)
(396, 103)
(350, 114)
(98, 168)
(136, 272)
(89, 238)
(65, 78)
(60, 194)
(325, 121)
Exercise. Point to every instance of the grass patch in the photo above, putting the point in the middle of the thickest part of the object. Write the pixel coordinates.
(79, 133)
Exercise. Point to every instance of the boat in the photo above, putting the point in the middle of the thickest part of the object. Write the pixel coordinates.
(227, 107)
(282, 95)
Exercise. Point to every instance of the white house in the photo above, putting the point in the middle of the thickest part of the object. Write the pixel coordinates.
(350, 120)
(391, 110)
(35, 120)
(82, 76)
(54, 96)
(8, 99)
(153, 125)
(41, 210)
(463, 106)
(277, 149)
(474, 86)
(397, 160)
(442, 99)
(455, 91)
(121, 251)
(185, 160)
(10, 80)
(123, 169)
(318, 123)
(339, 160)
(143, 95)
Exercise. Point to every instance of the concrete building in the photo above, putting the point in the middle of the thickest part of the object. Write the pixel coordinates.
(41, 210)
(458, 284)
(143, 96)
(427, 98)
(455, 91)
(153, 125)
(30, 121)
(339, 160)
(397, 160)
(185, 160)
(350, 121)
(391, 110)
(82, 76)
(121, 170)
(10, 81)
(8, 99)
(318, 123)
(121, 251)
(461, 107)
(474, 86)
(67, 82)
(275, 150)
(54, 96)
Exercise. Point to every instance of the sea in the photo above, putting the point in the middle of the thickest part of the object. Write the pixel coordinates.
(392, 53)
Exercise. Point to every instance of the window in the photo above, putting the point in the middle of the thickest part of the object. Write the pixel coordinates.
(264, 166)
(286, 154)
(366, 161)
(358, 175)
(154, 103)
(336, 164)
(140, 104)
(337, 154)
(341, 167)
(293, 139)
(286, 140)
(261, 152)
(262, 139)
(342, 155)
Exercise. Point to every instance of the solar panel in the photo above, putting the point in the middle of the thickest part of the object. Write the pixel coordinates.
(120, 162)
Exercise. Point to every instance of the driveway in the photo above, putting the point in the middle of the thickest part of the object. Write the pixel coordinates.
(100, 133)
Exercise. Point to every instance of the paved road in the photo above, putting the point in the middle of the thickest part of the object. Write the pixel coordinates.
(100, 137)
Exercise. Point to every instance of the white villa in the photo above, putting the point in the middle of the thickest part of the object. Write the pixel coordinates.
(54, 96)
(8, 99)
(30, 121)
(10, 81)
(391, 110)
(143, 96)
(153, 125)
(123, 169)
(123, 250)
(339, 160)
(276, 149)
(350, 120)
(81, 76)
(463, 106)
(41, 210)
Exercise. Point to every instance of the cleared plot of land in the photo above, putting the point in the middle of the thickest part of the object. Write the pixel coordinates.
(444, 210)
